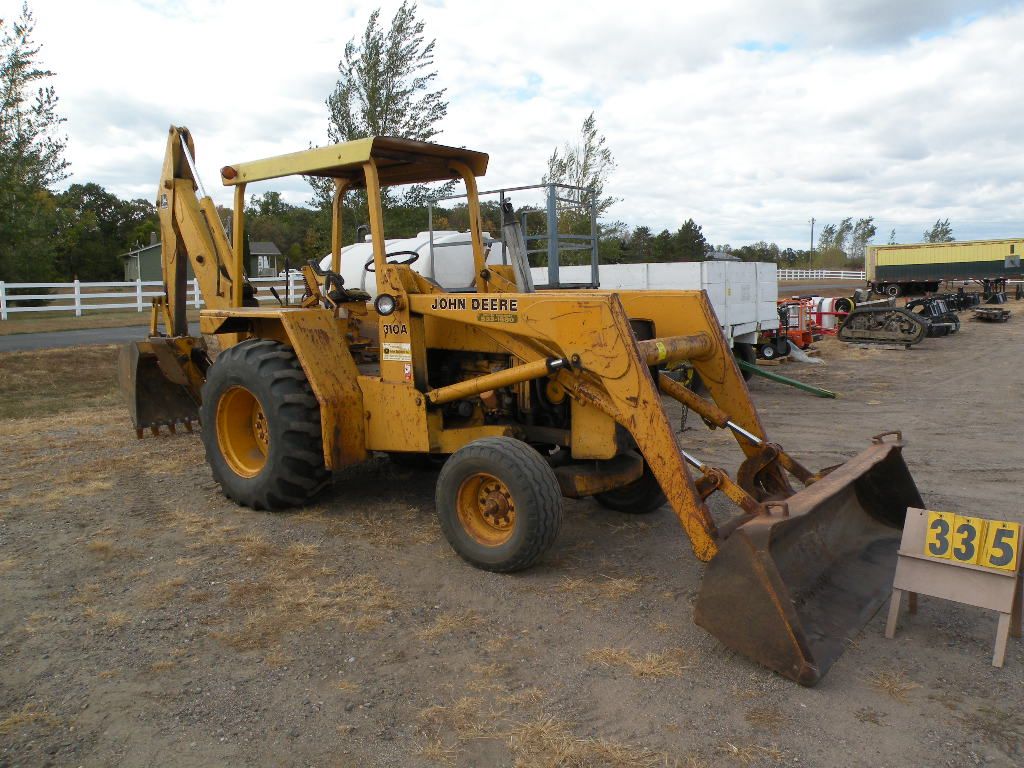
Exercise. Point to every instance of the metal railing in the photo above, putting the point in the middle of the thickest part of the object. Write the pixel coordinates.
(80, 297)
(549, 242)
(821, 274)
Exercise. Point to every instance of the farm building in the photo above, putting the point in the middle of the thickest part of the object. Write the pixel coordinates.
(265, 260)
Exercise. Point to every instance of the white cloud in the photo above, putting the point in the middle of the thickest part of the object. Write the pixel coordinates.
(749, 117)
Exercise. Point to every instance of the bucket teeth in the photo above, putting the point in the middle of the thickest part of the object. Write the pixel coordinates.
(172, 427)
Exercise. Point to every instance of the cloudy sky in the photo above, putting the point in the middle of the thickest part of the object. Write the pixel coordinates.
(751, 117)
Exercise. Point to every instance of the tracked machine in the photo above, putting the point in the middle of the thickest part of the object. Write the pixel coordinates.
(527, 396)
(882, 322)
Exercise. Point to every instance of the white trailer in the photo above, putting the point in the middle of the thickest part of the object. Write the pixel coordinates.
(743, 293)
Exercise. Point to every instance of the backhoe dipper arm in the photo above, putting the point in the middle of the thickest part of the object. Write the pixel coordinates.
(191, 232)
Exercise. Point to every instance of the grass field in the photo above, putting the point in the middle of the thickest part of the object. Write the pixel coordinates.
(52, 381)
(43, 322)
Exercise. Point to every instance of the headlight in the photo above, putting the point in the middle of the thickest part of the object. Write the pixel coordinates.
(385, 304)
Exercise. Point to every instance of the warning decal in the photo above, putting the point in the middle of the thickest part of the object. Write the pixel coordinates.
(397, 351)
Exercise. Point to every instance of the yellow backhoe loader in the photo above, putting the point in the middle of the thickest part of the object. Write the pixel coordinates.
(531, 396)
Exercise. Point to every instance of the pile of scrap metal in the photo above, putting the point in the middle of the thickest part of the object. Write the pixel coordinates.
(991, 314)
(942, 320)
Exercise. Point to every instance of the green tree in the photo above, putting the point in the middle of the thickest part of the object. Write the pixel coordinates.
(641, 244)
(691, 245)
(892, 236)
(586, 163)
(385, 88)
(91, 234)
(663, 247)
(32, 158)
(941, 232)
(863, 231)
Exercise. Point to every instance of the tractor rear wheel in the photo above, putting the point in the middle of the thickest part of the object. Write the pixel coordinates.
(261, 427)
(638, 498)
(499, 504)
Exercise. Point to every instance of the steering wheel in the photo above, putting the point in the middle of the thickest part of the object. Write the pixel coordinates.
(413, 255)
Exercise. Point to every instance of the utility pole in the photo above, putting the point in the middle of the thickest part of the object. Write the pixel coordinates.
(810, 254)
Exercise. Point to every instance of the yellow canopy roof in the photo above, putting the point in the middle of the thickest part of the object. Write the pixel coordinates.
(399, 161)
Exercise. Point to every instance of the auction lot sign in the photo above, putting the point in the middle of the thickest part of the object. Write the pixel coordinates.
(970, 560)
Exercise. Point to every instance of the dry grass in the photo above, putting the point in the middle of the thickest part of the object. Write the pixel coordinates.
(894, 683)
(394, 526)
(288, 600)
(745, 694)
(1002, 727)
(593, 594)
(164, 592)
(868, 715)
(753, 753)
(104, 549)
(469, 716)
(34, 621)
(63, 320)
(767, 717)
(485, 677)
(117, 620)
(87, 594)
(30, 714)
(551, 742)
(161, 666)
(8, 564)
(525, 698)
(254, 548)
(670, 663)
(52, 381)
(277, 658)
(450, 623)
(434, 749)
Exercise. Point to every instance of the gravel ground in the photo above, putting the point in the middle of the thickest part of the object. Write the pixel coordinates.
(146, 621)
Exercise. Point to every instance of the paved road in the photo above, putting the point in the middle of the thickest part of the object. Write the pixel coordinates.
(84, 337)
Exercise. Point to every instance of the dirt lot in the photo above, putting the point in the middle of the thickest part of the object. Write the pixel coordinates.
(146, 621)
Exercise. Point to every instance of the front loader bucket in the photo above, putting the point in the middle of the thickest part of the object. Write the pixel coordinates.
(155, 397)
(790, 591)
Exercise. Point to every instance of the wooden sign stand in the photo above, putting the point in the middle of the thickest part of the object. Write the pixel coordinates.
(948, 579)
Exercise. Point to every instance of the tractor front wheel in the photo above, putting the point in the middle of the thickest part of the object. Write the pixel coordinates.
(499, 504)
(261, 427)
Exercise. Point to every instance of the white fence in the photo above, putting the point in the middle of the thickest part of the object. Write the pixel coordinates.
(79, 297)
(821, 274)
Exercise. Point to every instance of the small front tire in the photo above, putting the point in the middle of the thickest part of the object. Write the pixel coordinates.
(499, 504)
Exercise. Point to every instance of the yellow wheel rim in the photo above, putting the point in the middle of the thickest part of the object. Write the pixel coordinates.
(486, 509)
(242, 432)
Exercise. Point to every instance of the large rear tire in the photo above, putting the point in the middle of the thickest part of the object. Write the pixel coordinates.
(261, 427)
(499, 504)
(638, 498)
